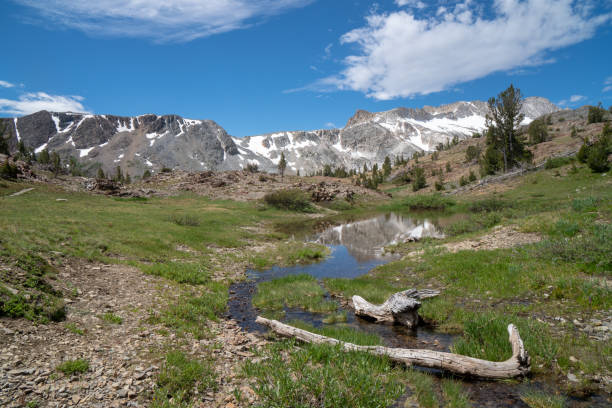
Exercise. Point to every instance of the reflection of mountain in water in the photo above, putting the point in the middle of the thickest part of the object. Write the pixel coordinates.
(365, 239)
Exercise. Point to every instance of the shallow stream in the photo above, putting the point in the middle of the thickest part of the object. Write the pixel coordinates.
(357, 248)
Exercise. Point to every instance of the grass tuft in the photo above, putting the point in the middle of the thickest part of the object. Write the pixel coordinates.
(111, 318)
(180, 378)
(293, 291)
(189, 273)
(70, 367)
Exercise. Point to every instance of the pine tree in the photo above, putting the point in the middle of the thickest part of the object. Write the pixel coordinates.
(503, 120)
(146, 174)
(100, 173)
(419, 179)
(4, 148)
(43, 157)
(128, 179)
(282, 165)
(387, 166)
(118, 175)
(56, 163)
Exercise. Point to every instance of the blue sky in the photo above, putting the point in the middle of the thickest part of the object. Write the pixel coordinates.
(258, 66)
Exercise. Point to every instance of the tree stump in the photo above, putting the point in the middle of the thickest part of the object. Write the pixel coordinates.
(401, 307)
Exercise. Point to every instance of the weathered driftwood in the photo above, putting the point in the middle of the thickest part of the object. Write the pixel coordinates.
(516, 366)
(401, 307)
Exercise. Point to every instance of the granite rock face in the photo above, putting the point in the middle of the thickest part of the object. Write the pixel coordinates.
(153, 142)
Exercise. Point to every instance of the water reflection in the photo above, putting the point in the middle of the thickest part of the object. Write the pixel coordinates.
(365, 240)
(357, 247)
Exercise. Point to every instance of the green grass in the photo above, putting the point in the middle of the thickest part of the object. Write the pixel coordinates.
(289, 253)
(421, 203)
(292, 291)
(186, 220)
(345, 334)
(179, 379)
(192, 310)
(322, 375)
(454, 395)
(73, 328)
(111, 318)
(189, 273)
(373, 289)
(422, 386)
(71, 367)
(540, 399)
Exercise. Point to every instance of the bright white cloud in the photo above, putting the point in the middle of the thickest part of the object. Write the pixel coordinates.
(5, 84)
(162, 20)
(34, 102)
(403, 55)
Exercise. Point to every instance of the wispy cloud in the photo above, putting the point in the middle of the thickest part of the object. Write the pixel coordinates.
(572, 100)
(403, 55)
(37, 101)
(161, 20)
(607, 84)
(5, 84)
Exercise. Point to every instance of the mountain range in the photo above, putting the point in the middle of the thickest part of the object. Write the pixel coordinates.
(153, 142)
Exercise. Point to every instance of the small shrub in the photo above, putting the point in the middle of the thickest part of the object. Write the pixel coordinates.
(252, 168)
(596, 114)
(8, 171)
(472, 153)
(597, 158)
(555, 162)
(472, 177)
(439, 185)
(186, 220)
(166, 170)
(290, 199)
(146, 175)
(70, 367)
(463, 181)
(537, 131)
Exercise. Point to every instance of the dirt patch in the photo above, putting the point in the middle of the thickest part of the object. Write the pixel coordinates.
(245, 186)
(500, 237)
(124, 358)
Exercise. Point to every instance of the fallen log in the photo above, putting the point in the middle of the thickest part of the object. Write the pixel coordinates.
(401, 307)
(518, 365)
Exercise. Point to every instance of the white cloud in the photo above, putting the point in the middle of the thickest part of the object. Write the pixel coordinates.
(577, 98)
(411, 3)
(607, 84)
(5, 84)
(403, 55)
(162, 20)
(330, 125)
(572, 100)
(34, 102)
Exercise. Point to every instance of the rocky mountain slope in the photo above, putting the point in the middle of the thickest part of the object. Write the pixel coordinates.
(153, 142)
